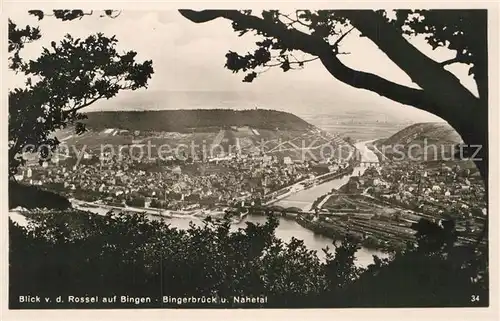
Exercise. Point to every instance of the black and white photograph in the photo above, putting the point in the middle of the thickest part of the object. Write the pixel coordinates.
(285, 158)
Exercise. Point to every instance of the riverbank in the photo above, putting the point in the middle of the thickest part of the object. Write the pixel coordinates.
(307, 184)
(91, 206)
(287, 229)
(376, 235)
(368, 237)
(383, 239)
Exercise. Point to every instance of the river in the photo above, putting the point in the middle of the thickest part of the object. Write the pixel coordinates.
(289, 228)
(286, 230)
(304, 199)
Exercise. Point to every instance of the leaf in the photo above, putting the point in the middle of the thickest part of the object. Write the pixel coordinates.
(38, 13)
(250, 77)
(285, 65)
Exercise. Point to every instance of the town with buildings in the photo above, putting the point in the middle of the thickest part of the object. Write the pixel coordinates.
(381, 206)
(176, 185)
(377, 201)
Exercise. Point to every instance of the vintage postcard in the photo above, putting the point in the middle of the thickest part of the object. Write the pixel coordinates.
(188, 157)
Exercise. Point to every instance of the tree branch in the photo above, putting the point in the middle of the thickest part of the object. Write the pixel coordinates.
(363, 80)
(336, 44)
(293, 21)
(85, 104)
(297, 62)
(301, 62)
(449, 99)
(296, 39)
(442, 93)
(427, 73)
(291, 38)
(449, 61)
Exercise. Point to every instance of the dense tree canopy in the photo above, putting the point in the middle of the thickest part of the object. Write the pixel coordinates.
(75, 253)
(70, 75)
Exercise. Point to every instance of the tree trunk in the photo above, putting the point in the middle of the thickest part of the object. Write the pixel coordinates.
(473, 128)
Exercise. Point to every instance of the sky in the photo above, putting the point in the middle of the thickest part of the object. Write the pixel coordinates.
(189, 57)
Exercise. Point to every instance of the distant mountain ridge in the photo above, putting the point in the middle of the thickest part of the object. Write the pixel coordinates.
(218, 131)
(331, 113)
(194, 120)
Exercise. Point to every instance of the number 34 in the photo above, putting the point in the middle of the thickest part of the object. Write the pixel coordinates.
(474, 298)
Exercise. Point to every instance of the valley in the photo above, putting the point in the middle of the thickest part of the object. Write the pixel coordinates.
(324, 183)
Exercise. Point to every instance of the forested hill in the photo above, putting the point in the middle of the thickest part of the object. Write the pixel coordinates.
(196, 119)
(433, 132)
(424, 141)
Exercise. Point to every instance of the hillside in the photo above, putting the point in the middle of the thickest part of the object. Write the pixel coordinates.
(423, 141)
(433, 132)
(255, 131)
(194, 120)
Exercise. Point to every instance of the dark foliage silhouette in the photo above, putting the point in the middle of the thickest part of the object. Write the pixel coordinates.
(433, 272)
(77, 253)
(70, 75)
(32, 197)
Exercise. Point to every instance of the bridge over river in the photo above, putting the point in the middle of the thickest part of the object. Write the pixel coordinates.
(304, 200)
